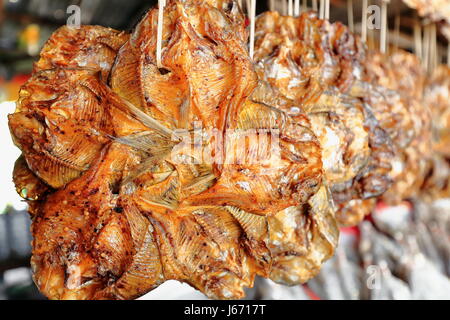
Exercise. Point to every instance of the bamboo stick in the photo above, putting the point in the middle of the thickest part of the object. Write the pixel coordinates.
(448, 54)
(161, 4)
(252, 27)
(322, 9)
(364, 21)
(297, 8)
(272, 5)
(383, 26)
(418, 39)
(350, 15)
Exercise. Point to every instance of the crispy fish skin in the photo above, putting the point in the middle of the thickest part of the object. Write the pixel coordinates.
(437, 182)
(436, 95)
(410, 124)
(79, 240)
(437, 11)
(302, 238)
(319, 66)
(201, 63)
(91, 47)
(352, 212)
(266, 180)
(28, 185)
(389, 105)
(60, 124)
(334, 121)
(129, 216)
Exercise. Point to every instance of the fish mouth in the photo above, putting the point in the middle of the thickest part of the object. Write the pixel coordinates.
(60, 281)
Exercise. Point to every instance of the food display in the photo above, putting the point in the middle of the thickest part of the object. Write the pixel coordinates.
(373, 127)
(207, 165)
(436, 95)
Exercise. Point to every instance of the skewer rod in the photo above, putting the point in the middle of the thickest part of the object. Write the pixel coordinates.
(161, 4)
(433, 48)
(418, 39)
(322, 9)
(350, 15)
(448, 54)
(397, 30)
(364, 21)
(297, 8)
(426, 47)
(383, 26)
(252, 27)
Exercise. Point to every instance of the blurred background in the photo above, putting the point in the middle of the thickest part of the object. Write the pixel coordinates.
(409, 249)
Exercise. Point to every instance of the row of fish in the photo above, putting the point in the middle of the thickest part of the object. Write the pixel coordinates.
(305, 137)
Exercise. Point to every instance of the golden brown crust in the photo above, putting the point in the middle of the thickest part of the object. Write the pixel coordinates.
(130, 215)
(402, 110)
(60, 124)
(436, 96)
(91, 47)
(319, 66)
